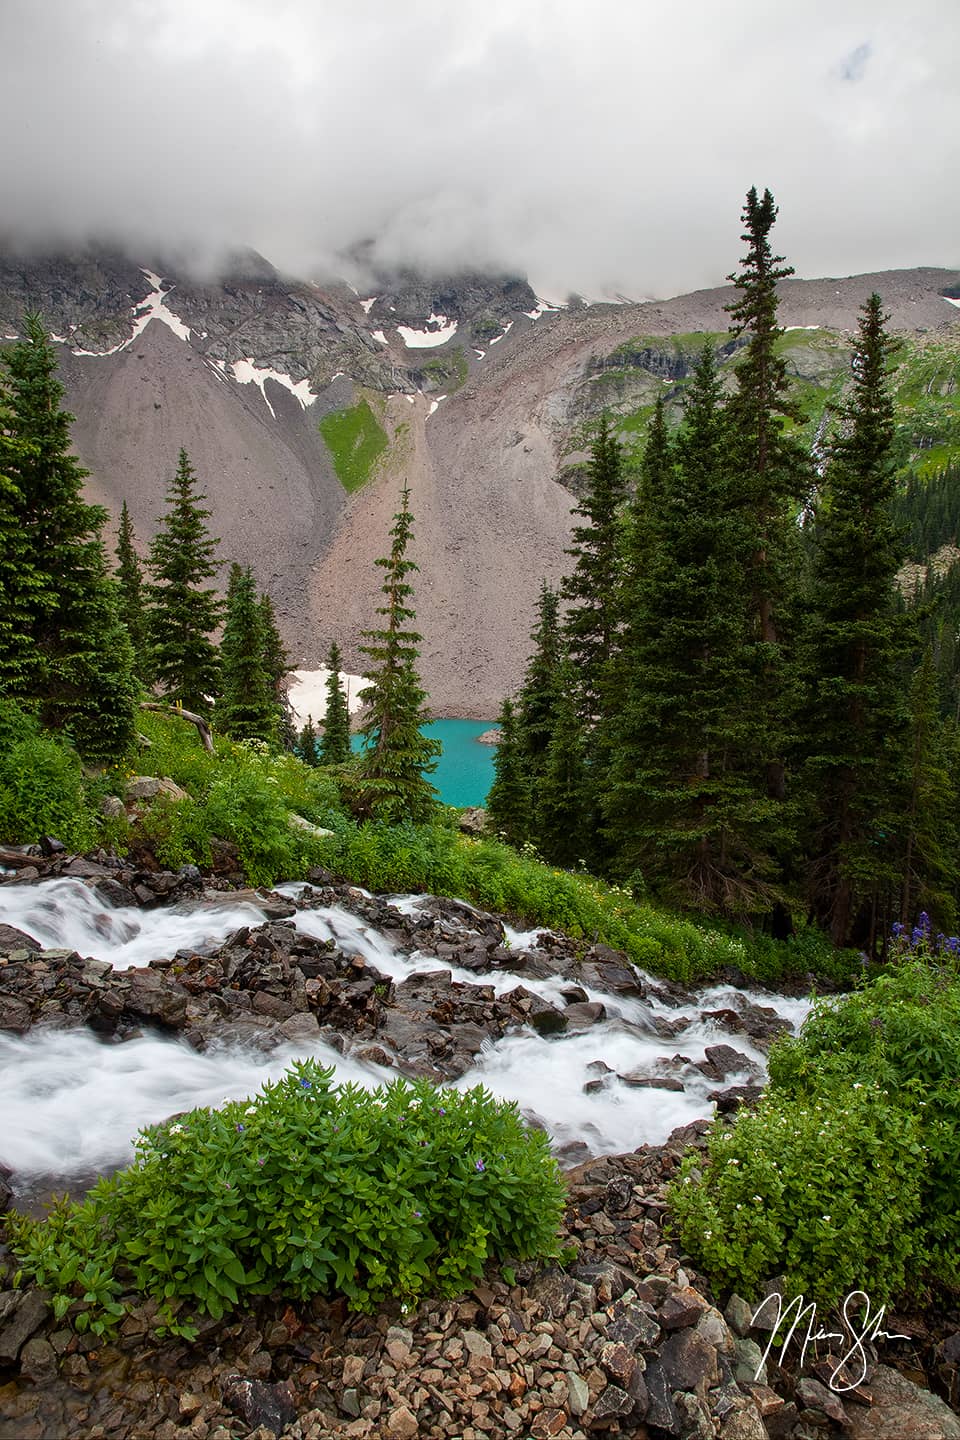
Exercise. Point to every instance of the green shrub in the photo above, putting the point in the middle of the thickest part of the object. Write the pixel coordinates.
(41, 785)
(309, 1190)
(825, 1194)
(902, 1032)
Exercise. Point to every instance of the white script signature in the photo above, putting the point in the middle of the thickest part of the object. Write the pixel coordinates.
(858, 1330)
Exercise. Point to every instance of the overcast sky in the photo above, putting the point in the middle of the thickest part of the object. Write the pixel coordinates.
(591, 144)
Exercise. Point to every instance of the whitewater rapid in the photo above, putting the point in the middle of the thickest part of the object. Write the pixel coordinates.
(71, 1105)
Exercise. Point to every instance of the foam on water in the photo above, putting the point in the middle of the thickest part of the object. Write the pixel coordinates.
(66, 914)
(72, 1105)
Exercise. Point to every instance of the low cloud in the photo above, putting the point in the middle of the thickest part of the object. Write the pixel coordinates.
(600, 147)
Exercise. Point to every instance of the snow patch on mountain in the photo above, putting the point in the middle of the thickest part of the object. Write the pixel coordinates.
(951, 301)
(366, 305)
(542, 309)
(507, 328)
(150, 308)
(247, 373)
(425, 339)
(379, 335)
(434, 404)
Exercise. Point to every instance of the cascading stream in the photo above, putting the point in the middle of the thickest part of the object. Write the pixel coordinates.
(72, 1105)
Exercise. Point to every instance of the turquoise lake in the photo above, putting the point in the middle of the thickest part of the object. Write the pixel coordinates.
(464, 771)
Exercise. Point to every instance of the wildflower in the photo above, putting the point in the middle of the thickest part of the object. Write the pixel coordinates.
(306, 1085)
(417, 1215)
(239, 1128)
(261, 1162)
(479, 1165)
(176, 1129)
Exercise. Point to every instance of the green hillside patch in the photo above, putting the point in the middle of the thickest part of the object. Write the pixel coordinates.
(356, 440)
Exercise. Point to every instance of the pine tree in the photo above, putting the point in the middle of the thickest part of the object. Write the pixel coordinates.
(679, 807)
(561, 799)
(182, 614)
(276, 663)
(397, 757)
(247, 708)
(539, 694)
(307, 747)
(509, 801)
(775, 476)
(856, 645)
(70, 654)
(335, 744)
(130, 593)
(930, 839)
(593, 587)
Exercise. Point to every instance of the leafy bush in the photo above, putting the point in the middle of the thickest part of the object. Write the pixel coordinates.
(825, 1195)
(872, 1077)
(309, 1190)
(41, 785)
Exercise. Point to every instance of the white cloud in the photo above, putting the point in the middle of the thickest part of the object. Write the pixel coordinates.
(601, 148)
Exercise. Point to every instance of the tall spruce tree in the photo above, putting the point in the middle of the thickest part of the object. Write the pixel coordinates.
(930, 839)
(679, 807)
(562, 810)
(592, 588)
(539, 695)
(392, 769)
(247, 708)
(509, 800)
(776, 476)
(183, 613)
(276, 662)
(857, 642)
(71, 654)
(335, 742)
(131, 596)
(307, 747)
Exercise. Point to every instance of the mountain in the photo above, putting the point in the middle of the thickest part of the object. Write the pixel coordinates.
(303, 407)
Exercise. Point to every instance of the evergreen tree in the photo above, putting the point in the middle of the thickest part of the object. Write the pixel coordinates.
(857, 641)
(307, 747)
(508, 803)
(130, 594)
(930, 840)
(335, 744)
(276, 663)
(70, 654)
(539, 694)
(592, 588)
(775, 476)
(247, 708)
(182, 613)
(680, 808)
(561, 799)
(393, 766)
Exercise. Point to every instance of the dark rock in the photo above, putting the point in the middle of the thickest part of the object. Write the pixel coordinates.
(38, 1361)
(156, 998)
(554, 1290)
(901, 1411)
(49, 845)
(15, 1015)
(633, 1326)
(6, 1190)
(687, 1360)
(24, 1320)
(682, 1308)
(818, 1402)
(582, 1014)
(728, 1101)
(13, 939)
(722, 1060)
(637, 1080)
(612, 1404)
(259, 1404)
(661, 1410)
(473, 822)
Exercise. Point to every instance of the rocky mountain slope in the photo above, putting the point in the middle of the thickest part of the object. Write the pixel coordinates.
(305, 407)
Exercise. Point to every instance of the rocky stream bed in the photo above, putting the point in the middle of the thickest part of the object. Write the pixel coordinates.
(209, 989)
